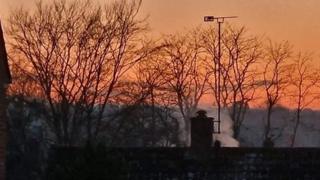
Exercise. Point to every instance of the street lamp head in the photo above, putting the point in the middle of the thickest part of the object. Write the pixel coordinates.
(220, 19)
(209, 18)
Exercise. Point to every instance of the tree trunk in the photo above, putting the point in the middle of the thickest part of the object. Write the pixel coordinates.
(296, 126)
(268, 125)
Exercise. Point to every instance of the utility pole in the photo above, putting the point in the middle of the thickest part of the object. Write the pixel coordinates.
(219, 20)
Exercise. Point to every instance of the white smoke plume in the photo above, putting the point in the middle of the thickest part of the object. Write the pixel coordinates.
(226, 131)
(226, 135)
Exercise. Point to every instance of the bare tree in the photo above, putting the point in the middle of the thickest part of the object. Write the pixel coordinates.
(185, 73)
(209, 40)
(23, 85)
(275, 78)
(77, 52)
(145, 85)
(303, 80)
(239, 70)
(239, 60)
(149, 78)
(145, 90)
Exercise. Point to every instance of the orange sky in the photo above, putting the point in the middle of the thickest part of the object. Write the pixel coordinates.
(294, 20)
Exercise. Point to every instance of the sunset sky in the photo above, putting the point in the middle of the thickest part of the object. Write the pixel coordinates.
(293, 20)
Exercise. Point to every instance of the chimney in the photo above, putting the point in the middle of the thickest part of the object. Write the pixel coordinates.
(201, 131)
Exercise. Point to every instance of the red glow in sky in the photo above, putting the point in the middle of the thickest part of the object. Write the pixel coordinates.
(294, 20)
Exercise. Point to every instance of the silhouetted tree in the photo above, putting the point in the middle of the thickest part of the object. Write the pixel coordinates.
(238, 63)
(275, 78)
(142, 125)
(303, 80)
(184, 70)
(77, 52)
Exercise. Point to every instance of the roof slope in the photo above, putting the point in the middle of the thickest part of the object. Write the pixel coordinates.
(5, 76)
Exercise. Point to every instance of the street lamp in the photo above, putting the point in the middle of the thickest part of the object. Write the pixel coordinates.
(219, 20)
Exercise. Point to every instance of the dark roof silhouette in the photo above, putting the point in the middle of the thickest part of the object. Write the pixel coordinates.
(5, 76)
(219, 163)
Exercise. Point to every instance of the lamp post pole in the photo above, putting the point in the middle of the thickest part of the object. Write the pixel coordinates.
(219, 20)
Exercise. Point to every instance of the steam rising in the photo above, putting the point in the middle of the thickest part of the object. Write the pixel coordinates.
(226, 135)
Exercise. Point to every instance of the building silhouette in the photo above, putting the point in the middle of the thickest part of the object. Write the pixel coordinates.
(5, 79)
